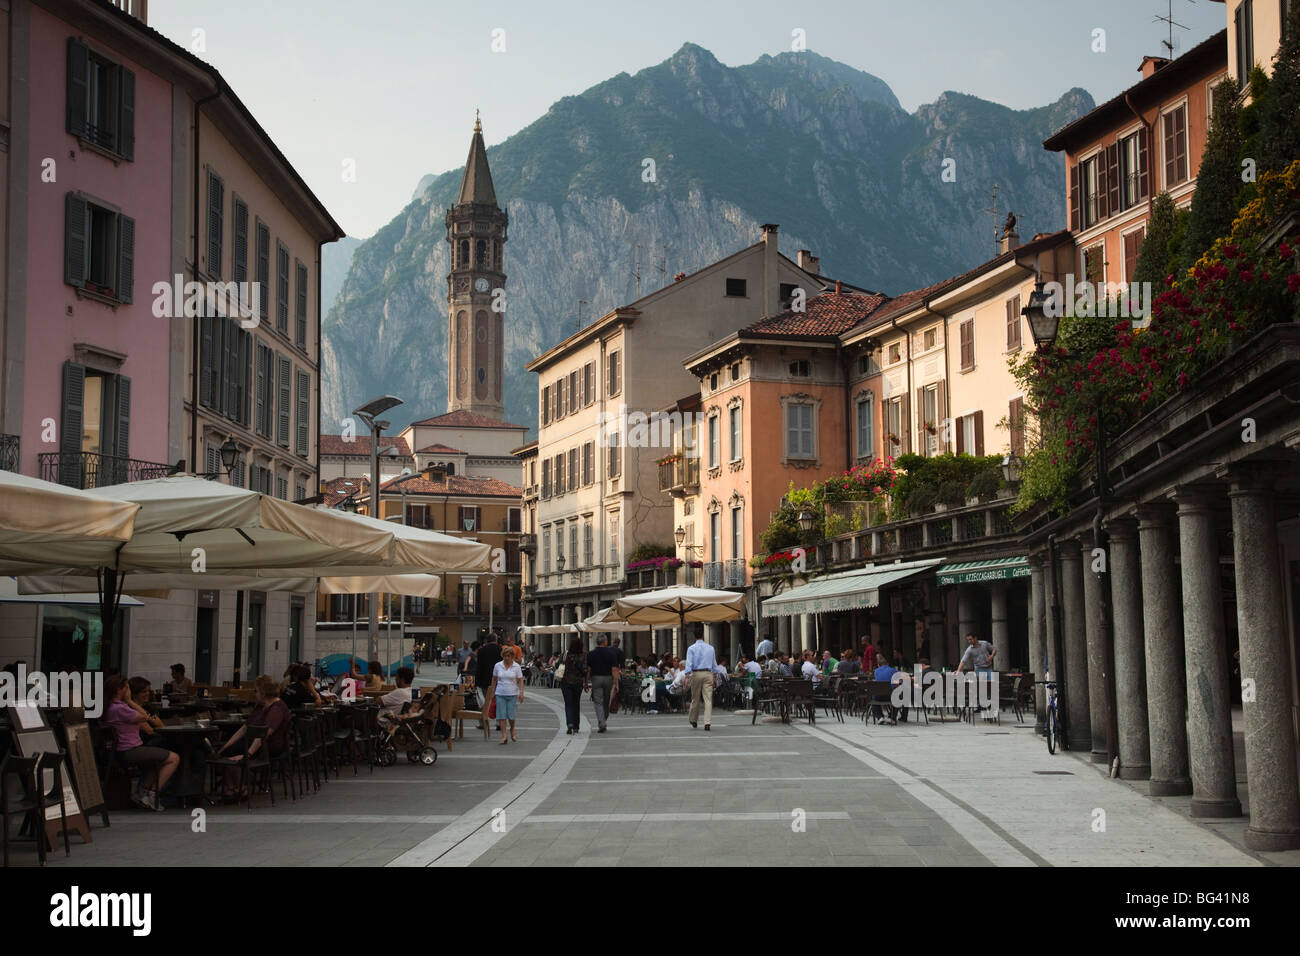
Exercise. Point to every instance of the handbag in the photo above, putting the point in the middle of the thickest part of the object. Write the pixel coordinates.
(559, 672)
(492, 708)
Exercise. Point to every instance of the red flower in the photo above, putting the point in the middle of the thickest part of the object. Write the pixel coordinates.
(1293, 283)
(1182, 380)
(1284, 250)
(1230, 251)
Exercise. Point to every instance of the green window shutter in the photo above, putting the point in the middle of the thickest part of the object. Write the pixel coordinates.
(76, 239)
(70, 430)
(263, 269)
(126, 115)
(78, 89)
(281, 288)
(205, 360)
(284, 371)
(302, 438)
(300, 312)
(125, 258)
(239, 242)
(216, 205)
(122, 433)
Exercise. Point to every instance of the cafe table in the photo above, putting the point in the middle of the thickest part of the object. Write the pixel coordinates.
(191, 742)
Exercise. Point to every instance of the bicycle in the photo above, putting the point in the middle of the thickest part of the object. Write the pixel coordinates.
(1052, 719)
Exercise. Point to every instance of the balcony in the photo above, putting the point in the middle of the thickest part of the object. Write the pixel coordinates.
(88, 469)
(712, 575)
(680, 476)
(733, 573)
(652, 579)
(9, 459)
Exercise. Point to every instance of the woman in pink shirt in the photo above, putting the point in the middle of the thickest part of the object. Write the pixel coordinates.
(126, 722)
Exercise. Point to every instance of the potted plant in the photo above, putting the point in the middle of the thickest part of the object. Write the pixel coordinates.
(951, 493)
(983, 487)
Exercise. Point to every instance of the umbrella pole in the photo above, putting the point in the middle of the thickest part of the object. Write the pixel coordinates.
(352, 660)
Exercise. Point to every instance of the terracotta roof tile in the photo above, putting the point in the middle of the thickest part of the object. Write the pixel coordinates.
(463, 486)
(463, 419)
(828, 313)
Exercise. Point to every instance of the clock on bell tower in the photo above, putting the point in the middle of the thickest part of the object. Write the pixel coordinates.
(476, 232)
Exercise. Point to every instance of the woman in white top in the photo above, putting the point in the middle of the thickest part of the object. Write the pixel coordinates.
(508, 689)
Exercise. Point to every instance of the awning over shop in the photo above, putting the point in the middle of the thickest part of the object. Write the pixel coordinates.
(972, 572)
(9, 595)
(844, 591)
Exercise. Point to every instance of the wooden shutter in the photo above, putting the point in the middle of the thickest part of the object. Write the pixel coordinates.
(967, 333)
(961, 435)
(304, 413)
(300, 312)
(1013, 323)
(886, 446)
(1102, 200)
(122, 431)
(205, 360)
(1074, 196)
(239, 243)
(921, 433)
(216, 207)
(1113, 179)
(245, 375)
(979, 433)
(546, 404)
(1144, 173)
(78, 89)
(231, 347)
(940, 406)
(281, 288)
(125, 258)
(126, 115)
(263, 269)
(905, 427)
(284, 372)
(76, 239)
(1016, 418)
(70, 428)
(1132, 247)
(259, 390)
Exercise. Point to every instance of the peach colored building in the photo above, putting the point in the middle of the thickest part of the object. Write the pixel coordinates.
(1147, 140)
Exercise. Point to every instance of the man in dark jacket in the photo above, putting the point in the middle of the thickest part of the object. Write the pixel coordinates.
(488, 656)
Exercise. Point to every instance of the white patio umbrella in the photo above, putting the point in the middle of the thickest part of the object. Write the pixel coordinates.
(602, 621)
(549, 629)
(679, 606)
(49, 522)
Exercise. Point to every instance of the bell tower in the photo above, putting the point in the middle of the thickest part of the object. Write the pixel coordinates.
(476, 231)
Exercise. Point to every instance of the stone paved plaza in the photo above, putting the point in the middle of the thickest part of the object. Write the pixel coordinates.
(652, 791)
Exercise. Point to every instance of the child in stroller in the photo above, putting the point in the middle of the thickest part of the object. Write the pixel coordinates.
(410, 730)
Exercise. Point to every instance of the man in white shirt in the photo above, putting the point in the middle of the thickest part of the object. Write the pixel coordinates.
(390, 705)
(700, 661)
(753, 667)
(809, 670)
(765, 647)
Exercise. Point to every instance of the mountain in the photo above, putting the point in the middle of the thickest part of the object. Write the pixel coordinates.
(335, 261)
(797, 139)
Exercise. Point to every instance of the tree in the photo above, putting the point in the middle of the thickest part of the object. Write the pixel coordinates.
(1159, 255)
(1279, 131)
(1218, 183)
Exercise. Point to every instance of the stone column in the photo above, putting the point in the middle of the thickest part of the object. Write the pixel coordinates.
(1209, 720)
(1037, 634)
(999, 633)
(935, 622)
(733, 653)
(1265, 662)
(1163, 630)
(1130, 656)
(1093, 584)
(783, 634)
(966, 621)
(1075, 636)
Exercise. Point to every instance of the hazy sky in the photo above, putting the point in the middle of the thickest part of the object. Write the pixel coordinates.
(393, 84)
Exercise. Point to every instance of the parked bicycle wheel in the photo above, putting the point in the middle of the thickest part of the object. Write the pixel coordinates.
(1053, 731)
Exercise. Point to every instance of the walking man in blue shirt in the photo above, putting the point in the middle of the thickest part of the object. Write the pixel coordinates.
(700, 661)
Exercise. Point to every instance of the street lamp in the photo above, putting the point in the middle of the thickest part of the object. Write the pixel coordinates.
(806, 519)
(229, 452)
(369, 414)
(1044, 327)
(1012, 468)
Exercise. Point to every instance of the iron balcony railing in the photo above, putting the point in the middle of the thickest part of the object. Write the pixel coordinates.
(88, 469)
(734, 573)
(679, 475)
(9, 457)
(713, 574)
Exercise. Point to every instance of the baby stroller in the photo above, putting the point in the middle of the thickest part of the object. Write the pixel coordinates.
(408, 731)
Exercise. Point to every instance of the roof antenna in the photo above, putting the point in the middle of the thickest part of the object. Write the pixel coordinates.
(1169, 19)
(636, 270)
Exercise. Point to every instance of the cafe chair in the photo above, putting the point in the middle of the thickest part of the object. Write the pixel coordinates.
(249, 767)
(305, 751)
(29, 771)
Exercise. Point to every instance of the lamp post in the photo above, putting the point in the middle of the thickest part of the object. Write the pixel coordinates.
(229, 454)
(1044, 325)
(369, 414)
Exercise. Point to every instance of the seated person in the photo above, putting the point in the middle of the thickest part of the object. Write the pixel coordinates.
(141, 691)
(752, 668)
(884, 672)
(270, 713)
(849, 664)
(300, 690)
(126, 719)
(391, 704)
(350, 682)
(181, 685)
(374, 676)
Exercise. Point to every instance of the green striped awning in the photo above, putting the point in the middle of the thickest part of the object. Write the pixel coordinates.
(844, 591)
(972, 572)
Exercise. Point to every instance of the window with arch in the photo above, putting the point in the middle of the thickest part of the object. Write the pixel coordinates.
(480, 252)
(462, 260)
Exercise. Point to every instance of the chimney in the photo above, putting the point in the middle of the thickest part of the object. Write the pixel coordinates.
(1150, 64)
(1008, 241)
(839, 287)
(771, 271)
(809, 262)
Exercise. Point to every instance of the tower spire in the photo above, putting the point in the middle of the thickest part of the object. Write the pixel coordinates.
(478, 127)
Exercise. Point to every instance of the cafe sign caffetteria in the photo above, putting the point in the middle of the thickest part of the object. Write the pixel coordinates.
(975, 572)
